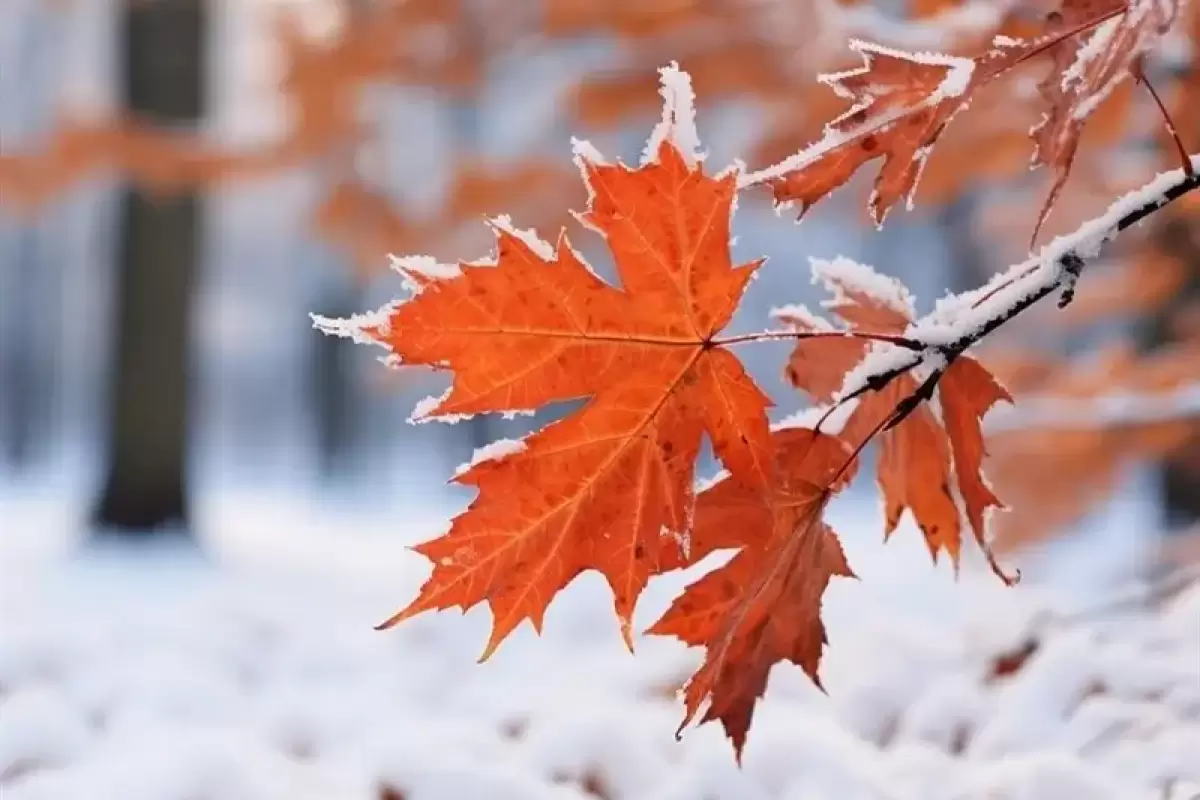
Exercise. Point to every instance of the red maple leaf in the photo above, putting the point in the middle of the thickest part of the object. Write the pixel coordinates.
(604, 487)
(764, 605)
(902, 102)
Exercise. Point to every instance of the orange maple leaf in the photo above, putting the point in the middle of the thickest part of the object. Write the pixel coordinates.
(926, 464)
(604, 487)
(764, 605)
(901, 103)
(1086, 72)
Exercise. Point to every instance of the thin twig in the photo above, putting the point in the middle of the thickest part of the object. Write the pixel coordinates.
(1139, 74)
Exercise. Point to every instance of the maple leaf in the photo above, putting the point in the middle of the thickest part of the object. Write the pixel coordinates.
(601, 488)
(1085, 74)
(764, 605)
(926, 464)
(901, 103)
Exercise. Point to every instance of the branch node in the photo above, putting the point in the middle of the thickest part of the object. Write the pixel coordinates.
(1072, 266)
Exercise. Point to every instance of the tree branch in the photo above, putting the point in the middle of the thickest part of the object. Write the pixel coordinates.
(960, 322)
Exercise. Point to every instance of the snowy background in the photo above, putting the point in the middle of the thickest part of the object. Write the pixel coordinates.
(246, 668)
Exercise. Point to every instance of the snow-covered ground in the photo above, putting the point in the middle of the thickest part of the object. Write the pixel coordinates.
(252, 672)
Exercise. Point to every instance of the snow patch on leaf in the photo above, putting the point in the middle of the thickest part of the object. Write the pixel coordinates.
(584, 150)
(543, 249)
(355, 327)
(1095, 47)
(426, 411)
(838, 415)
(420, 271)
(499, 449)
(678, 125)
(845, 274)
(801, 315)
(881, 359)
(704, 484)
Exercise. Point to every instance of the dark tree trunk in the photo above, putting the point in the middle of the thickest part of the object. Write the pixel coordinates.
(335, 389)
(1179, 477)
(145, 489)
(26, 404)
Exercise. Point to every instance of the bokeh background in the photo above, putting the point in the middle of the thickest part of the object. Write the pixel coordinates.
(204, 503)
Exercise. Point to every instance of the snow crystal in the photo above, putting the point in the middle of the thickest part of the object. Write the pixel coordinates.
(1094, 47)
(809, 417)
(541, 247)
(495, 451)
(425, 411)
(585, 151)
(802, 316)
(426, 266)
(960, 317)
(704, 484)
(921, 159)
(842, 274)
(881, 359)
(354, 327)
(678, 123)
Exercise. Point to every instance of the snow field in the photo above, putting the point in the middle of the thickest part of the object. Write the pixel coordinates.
(254, 674)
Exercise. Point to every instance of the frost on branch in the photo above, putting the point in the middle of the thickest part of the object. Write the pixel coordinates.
(961, 320)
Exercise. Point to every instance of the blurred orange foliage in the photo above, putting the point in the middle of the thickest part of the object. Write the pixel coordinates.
(769, 51)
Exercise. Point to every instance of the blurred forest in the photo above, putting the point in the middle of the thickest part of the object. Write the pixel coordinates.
(183, 181)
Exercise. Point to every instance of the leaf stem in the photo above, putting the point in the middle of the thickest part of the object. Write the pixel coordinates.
(1140, 75)
(765, 336)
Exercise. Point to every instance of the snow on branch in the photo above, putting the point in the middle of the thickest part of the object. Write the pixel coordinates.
(960, 321)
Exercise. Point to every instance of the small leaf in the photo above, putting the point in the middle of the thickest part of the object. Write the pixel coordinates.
(925, 465)
(764, 605)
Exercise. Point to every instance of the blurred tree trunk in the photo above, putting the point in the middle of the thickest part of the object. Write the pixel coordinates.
(335, 384)
(16, 362)
(465, 130)
(335, 389)
(969, 267)
(163, 82)
(1179, 477)
(27, 368)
